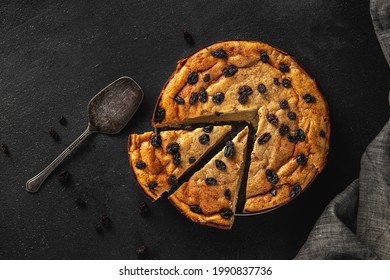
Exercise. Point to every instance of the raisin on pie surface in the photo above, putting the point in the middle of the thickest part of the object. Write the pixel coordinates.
(158, 160)
(254, 82)
(210, 195)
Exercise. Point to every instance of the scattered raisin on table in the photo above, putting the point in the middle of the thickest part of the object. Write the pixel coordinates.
(54, 134)
(63, 120)
(80, 202)
(229, 149)
(106, 222)
(220, 53)
(204, 139)
(99, 228)
(188, 37)
(64, 177)
(4, 148)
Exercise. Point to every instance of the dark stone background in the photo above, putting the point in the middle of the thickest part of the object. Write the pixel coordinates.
(54, 56)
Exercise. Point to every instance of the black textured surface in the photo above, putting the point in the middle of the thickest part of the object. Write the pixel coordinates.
(54, 56)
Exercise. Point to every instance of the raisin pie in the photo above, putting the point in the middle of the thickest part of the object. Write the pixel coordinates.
(158, 160)
(210, 195)
(254, 82)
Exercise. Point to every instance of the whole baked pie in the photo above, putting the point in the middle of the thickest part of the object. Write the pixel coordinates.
(235, 81)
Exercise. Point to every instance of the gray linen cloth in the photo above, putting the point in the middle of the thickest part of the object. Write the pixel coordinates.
(356, 223)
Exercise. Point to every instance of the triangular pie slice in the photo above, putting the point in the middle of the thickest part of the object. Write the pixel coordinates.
(210, 195)
(158, 160)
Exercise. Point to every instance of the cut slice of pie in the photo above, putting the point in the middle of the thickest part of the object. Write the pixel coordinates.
(158, 160)
(210, 195)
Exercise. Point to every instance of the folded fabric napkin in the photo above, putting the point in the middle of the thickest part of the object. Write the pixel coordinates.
(356, 223)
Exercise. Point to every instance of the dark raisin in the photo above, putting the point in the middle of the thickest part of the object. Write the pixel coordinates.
(191, 160)
(4, 148)
(173, 148)
(172, 180)
(203, 95)
(189, 127)
(188, 37)
(300, 135)
(229, 149)
(204, 139)
(211, 181)
(143, 209)
(220, 53)
(272, 177)
(292, 138)
(292, 116)
(308, 98)
(155, 140)
(179, 100)
(140, 164)
(301, 159)
(284, 68)
(64, 177)
(206, 78)
(226, 214)
(63, 120)
(218, 98)
(176, 159)
(208, 128)
(276, 81)
(286, 83)
(141, 251)
(284, 129)
(159, 115)
(220, 165)
(192, 78)
(322, 134)
(296, 190)
(272, 119)
(245, 90)
(227, 193)
(152, 185)
(99, 228)
(273, 191)
(283, 104)
(196, 209)
(262, 88)
(230, 70)
(106, 222)
(264, 57)
(264, 138)
(243, 98)
(193, 98)
(54, 134)
(80, 202)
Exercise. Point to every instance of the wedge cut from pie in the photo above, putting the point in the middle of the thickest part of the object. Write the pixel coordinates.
(210, 195)
(158, 160)
(266, 87)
